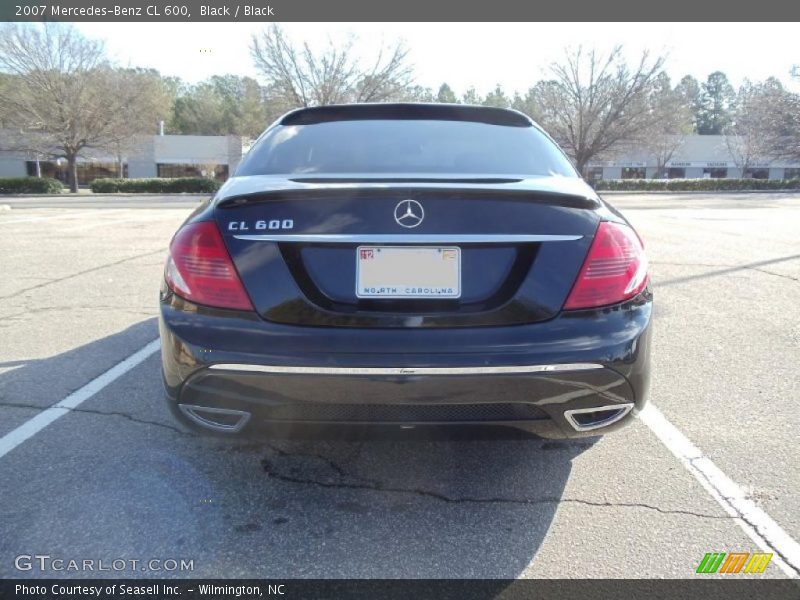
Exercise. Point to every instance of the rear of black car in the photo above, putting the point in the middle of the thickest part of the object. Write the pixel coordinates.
(406, 265)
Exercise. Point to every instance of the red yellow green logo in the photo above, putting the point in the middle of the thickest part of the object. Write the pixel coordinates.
(734, 562)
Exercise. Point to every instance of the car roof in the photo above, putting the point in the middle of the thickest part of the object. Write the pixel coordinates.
(406, 111)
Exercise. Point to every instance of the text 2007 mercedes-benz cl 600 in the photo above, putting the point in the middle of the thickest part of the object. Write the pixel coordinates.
(406, 264)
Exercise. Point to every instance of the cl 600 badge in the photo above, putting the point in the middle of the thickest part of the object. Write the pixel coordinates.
(261, 225)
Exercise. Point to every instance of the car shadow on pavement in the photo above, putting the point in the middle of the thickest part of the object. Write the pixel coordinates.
(124, 479)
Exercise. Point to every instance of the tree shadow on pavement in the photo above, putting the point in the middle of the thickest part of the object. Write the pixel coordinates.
(725, 270)
(29, 385)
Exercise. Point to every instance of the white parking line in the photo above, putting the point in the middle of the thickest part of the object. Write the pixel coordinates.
(131, 219)
(31, 427)
(757, 524)
(40, 218)
(754, 521)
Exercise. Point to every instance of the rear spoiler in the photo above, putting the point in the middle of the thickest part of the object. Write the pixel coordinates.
(368, 191)
(406, 112)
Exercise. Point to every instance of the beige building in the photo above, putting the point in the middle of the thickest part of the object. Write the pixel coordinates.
(151, 156)
(694, 157)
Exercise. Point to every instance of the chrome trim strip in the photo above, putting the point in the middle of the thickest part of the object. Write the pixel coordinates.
(190, 411)
(400, 371)
(623, 409)
(406, 238)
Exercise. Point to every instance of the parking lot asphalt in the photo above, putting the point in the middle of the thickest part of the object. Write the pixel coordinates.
(115, 477)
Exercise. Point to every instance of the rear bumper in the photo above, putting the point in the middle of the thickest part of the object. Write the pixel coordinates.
(547, 378)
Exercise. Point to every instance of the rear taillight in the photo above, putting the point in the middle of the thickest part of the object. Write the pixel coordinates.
(614, 270)
(200, 269)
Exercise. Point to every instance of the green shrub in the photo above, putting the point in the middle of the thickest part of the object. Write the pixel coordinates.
(30, 185)
(156, 185)
(695, 185)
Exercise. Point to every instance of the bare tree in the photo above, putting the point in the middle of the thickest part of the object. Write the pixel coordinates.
(296, 75)
(139, 100)
(595, 103)
(47, 70)
(673, 122)
(744, 137)
(66, 99)
(780, 120)
(783, 129)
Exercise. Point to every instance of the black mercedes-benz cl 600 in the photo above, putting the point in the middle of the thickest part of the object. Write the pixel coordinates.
(406, 265)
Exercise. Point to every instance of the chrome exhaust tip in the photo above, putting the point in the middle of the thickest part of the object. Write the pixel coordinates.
(219, 419)
(596, 417)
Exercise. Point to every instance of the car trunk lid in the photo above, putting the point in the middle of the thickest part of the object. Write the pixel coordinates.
(296, 243)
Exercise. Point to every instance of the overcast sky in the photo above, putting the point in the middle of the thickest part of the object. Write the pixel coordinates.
(468, 54)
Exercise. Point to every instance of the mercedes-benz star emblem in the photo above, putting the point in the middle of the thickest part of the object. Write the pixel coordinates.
(409, 213)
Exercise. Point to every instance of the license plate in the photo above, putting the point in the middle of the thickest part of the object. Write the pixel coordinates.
(408, 272)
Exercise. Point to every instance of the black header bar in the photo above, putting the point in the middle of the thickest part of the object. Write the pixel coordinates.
(397, 10)
(733, 588)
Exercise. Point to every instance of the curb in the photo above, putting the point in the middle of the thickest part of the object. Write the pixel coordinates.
(107, 195)
(691, 193)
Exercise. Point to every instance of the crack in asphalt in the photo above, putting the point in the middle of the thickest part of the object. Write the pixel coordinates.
(375, 485)
(90, 411)
(775, 274)
(79, 273)
(354, 482)
(329, 461)
(8, 320)
(133, 419)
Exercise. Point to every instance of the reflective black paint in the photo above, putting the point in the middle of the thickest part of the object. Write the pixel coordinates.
(313, 284)
(510, 312)
(618, 337)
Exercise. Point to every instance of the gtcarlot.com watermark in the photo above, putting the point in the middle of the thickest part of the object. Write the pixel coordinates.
(45, 563)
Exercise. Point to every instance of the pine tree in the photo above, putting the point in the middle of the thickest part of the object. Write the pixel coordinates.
(446, 95)
(717, 98)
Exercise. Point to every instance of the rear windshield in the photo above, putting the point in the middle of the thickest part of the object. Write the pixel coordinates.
(412, 147)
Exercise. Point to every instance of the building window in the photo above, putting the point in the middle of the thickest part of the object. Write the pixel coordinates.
(48, 169)
(715, 173)
(214, 171)
(87, 171)
(756, 174)
(676, 173)
(791, 173)
(634, 172)
(594, 174)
